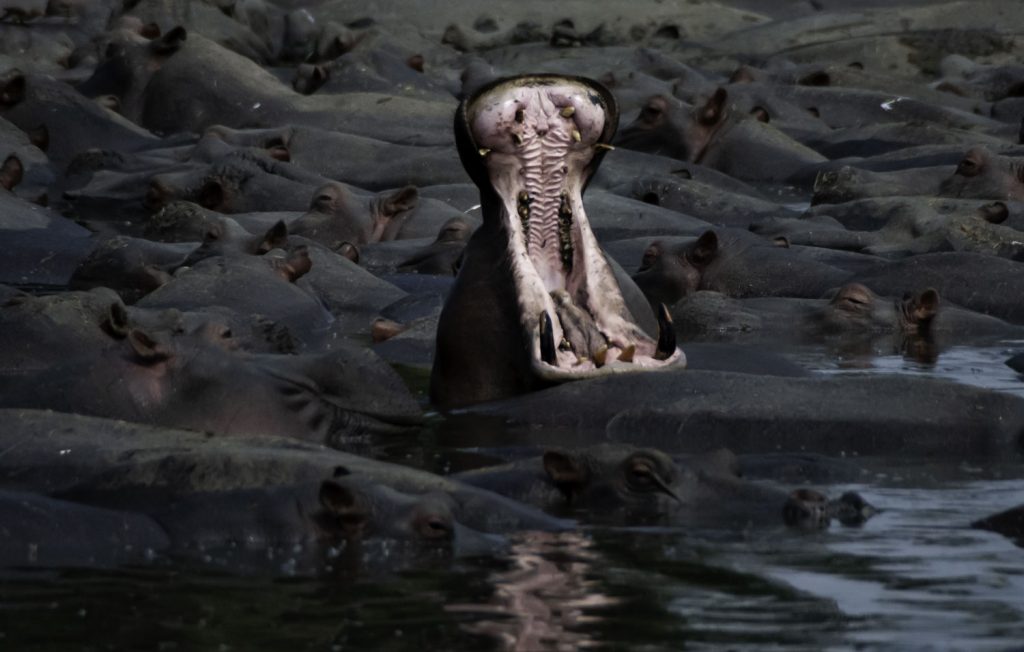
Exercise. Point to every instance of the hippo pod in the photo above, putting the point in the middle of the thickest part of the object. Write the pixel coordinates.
(535, 283)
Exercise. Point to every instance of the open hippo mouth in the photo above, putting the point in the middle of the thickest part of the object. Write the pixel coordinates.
(531, 144)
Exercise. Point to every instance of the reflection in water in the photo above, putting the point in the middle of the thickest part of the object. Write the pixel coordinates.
(540, 602)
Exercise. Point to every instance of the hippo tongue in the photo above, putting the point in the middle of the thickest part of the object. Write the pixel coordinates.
(537, 137)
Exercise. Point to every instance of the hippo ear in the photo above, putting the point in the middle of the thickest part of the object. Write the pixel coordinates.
(170, 42)
(384, 329)
(11, 172)
(40, 137)
(154, 277)
(214, 232)
(276, 237)
(760, 114)
(147, 350)
(714, 109)
(385, 219)
(924, 307)
(278, 149)
(211, 195)
(400, 201)
(111, 102)
(150, 31)
(705, 249)
(117, 324)
(12, 90)
(994, 213)
(296, 265)
(348, 250)
(345, 508)
(742, 75)
(565, 472)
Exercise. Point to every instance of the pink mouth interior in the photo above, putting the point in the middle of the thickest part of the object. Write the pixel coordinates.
(537, 137)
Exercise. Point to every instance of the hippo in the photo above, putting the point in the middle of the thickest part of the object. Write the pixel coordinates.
(348, 509)
(42, 532)
(146, 469)
(980, 282)
(733, 262)
(611, 483)
(192, 382)
(755, 413)
(336, 216)
(133, 267)
(681, 193)
(713, 135)
(1009, 523)
(984, 175)
(443, 256)
(535, 301)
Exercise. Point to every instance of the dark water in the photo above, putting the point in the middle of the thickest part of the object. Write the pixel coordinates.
(914, 577)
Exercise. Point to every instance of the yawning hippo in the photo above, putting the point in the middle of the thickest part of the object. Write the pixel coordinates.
(536, 301)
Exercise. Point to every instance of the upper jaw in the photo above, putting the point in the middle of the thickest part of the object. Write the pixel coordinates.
(531, 143)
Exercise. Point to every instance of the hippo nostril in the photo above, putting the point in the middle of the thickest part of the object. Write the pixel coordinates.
(651, 198)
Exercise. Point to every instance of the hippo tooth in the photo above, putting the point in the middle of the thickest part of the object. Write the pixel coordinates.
(484, 151)
(628, 353)
(600, 356)
(666, 334)
(604, 146)
(547, 339)
(568, 111)
(577, 136)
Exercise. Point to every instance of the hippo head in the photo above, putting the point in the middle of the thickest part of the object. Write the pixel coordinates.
(531, 144)
(355, 509)
(980, 174)
(669, 127)
(810, 509)
(856, 309)
(667, 274)
(127, 62)
(612, 477)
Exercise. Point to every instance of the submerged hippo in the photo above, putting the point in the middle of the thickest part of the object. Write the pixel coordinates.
(536, 301)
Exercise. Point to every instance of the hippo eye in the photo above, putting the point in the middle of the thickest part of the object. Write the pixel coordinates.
(650, 113)
(640, 475)
(967, 168)
(651, 255)
(435, 527)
